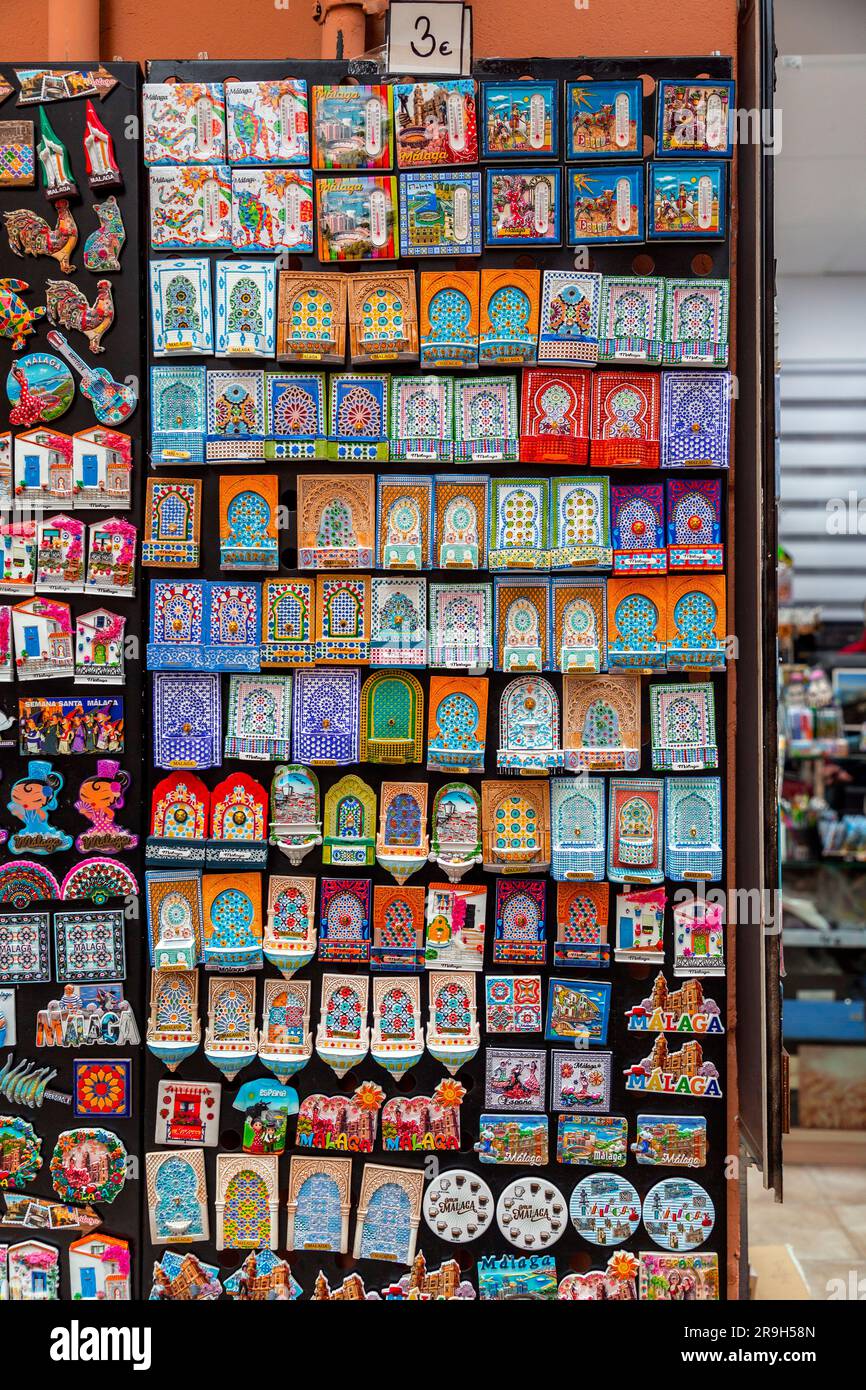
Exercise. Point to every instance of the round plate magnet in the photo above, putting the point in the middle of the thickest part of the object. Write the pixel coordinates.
(605, 1209)
(531, 1213)
(458, 1206)
(678, 1214)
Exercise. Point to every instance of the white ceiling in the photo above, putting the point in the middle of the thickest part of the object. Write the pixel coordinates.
(821, 168)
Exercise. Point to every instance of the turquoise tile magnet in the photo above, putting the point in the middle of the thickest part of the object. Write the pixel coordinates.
(693, 828)
(245, 293)
(178, 414)
(180, 306)
(577, 829)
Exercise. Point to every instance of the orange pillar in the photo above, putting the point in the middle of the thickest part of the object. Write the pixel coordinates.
(344, 25)
(73, 30)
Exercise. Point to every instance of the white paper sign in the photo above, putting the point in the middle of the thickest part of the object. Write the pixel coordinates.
(428, 38)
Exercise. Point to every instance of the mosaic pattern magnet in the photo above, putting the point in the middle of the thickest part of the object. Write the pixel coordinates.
(449, 318)
(25, 956)
(187, 721)
(569, 327)
(89, 945)
(181, 312)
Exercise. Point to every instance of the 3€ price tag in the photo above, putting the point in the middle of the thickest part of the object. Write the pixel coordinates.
(433, 37)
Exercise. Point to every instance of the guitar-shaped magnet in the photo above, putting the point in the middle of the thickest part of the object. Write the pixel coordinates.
(112, 401)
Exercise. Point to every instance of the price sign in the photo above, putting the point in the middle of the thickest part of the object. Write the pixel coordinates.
(429, 38)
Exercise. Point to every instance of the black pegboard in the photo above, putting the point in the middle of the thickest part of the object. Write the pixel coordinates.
(630, 983)
(123, 345)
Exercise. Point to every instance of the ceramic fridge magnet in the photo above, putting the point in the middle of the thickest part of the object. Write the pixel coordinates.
(486, 419)
(405, 522)
(455, 926)
(343, 1036)
(458, 1206)
(605, 205)
(580, 523)
(180, 306)
(509, 313)
(25, 882)
(580, 1081)
(290, 926)
(640, 924)
(530, 742)
(515, 827)
(618, 1281)
(398, 621)
(389, 1210)
(421, 423)
(440, 214)
(294, 416)
(43, 469)
(383, 317)
(397, 1039)
(523, 207)
(267, 122)
(519, 924)
(678, 1214)
(177, 624)
(398, 929)
(336, 521)
(184, 1278)
(248, 531)
(460, 520)
(357, 218)
(402, 843)
(449, 318)
(695, 525)
(676, 1141)
(100, 796)
(17, 158)
(311, 317)
(513, 1003)
(625, 420)
(8, 1033)
(191, 208)
(97, 880)
(391, 718)
(100, 1268)
(577, 820)
(531, 1213)
(352, 127)
(635, 815)
(287, 623)
(519, 120)
(17, 319)
(101, 1089)
(684, 1010)
(30, 235)
(696, 639)
(177, 1197)
(25, 952)
(58, 180)
(637, 624)
(350, 824)
(678, 1277)
(516, 1139)
(569, 322)
(519, 524)
(89, 945)
(579, 613)
(592, 1141)
(272, 210)
(233, 630)
(30, 1270)
(694, 117)
(512, 1276)
(232, 918)
(187, 720)
(285, 1040)
(174, 918)
(235, 417)
(347, 1123)
(183, 122)
(358, 417)
(88, 1165)
(686, 201)
(32, 799)
(174, 1029)
(23, 1083)
(101, 468)
(435, 123)
(696, 413)
(245, 308)
(582, 923)
(693, 828)
(638, 517)
(172, 523)
(696, 325)
(577, 1012)
(461, 626)
(238, 823)
(554, 416)
(666, 1072)
(99, 157)
(263, 1277)
(102, 248)
(605, 1209)
(601, 724)
(603, 120)
(178, 415)
(632, 318)
(20, 1152)
(683, 724)
(457, 726)
(344, 920)
(522, 618)
(456, 829)
(699, 941)
(60, 555)
(230, 1040)
(325, 720)
(259, 717)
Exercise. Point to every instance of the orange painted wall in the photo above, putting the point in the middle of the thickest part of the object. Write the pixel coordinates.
(139, 29)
